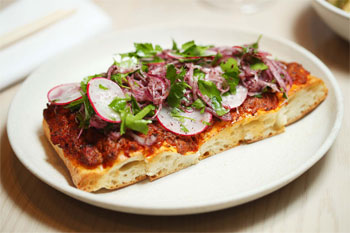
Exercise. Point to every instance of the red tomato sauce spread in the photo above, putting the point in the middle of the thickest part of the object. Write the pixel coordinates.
(92, 147)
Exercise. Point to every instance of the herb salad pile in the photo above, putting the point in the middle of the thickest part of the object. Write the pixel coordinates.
(181, 87)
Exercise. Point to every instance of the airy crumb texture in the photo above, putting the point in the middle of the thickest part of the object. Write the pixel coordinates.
(165, 160)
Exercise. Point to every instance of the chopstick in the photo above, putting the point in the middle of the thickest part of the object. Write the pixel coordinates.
(28, 29)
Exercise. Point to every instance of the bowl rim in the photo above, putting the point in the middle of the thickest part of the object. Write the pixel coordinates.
(333, 8)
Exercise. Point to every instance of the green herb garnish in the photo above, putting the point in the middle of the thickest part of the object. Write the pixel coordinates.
(209, 89)
(130, 120)
(199, 104)
(231, 73)
(102, 87)
(178, 85)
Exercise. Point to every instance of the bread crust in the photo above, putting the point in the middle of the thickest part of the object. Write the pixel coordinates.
(127, 170)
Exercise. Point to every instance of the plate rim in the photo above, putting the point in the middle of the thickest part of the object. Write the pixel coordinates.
(215, 205)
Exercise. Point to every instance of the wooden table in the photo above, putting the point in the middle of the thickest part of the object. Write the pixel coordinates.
(316, 201)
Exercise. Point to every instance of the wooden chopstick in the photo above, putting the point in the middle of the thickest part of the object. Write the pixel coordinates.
(28, 29)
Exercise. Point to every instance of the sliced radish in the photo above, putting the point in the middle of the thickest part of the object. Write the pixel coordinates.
(233, 101)
(193, 123)
(64, 93)
(101, 92)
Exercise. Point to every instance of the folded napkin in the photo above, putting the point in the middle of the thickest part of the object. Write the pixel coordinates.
(19, 59)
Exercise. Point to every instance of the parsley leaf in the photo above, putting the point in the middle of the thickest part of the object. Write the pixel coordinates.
(209, 89)
(217, 57)
(129, 120)
(175, 112)
(231, 73)
(206, 123)
(254, 47)
(177, 87)
(84, 120)
(134, 105)
(75, 105)
(198, 104)
(143, 50)
(119, 104)
(171, 73)
(183, 128)
(256, 44)
(218, 108)
(190, 49)
(102, 87)
(83, 84)
(175, 48)
(257, 64)
(136, 122)
(120, 78)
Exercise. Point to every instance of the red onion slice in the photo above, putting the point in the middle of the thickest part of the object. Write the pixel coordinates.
(101, 92)
(193, 123)
(64, 93)
(234, 101)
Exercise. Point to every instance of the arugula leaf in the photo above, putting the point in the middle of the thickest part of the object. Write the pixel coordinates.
(231, 73)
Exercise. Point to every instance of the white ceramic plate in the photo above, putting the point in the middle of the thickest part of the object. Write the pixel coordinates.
(236, 176)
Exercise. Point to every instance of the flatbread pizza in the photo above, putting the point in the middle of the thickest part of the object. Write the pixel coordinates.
(156, 111)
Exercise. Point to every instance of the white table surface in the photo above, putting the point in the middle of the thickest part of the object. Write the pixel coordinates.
(318, 201)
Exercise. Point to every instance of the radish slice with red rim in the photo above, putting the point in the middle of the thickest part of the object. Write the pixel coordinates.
(101, 92)
(187, 124)
(64, 93)
(235, 100)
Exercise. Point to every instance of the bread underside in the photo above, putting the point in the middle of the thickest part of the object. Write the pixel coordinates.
(131, 169)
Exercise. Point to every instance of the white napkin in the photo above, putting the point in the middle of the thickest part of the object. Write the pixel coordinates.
(19, 59)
